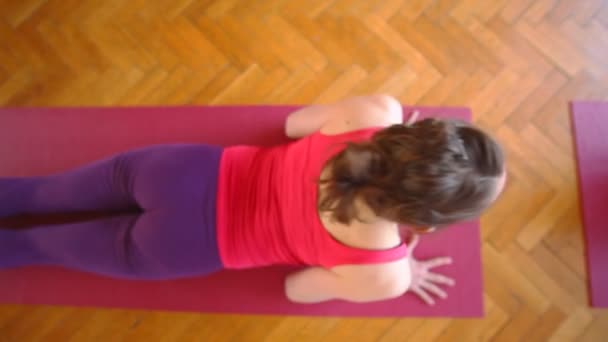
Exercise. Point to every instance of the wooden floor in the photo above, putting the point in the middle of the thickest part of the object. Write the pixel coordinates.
(517, 63)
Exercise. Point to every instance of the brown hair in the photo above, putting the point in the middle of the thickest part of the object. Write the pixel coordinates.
(432, 173)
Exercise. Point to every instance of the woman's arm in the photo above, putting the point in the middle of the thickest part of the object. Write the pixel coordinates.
(366, 283)
(346, 115)
(353, 283)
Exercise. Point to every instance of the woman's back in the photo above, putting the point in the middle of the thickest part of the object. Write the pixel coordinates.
(267, 206)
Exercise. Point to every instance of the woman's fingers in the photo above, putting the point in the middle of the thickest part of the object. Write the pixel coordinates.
(413, 117)
(434, 289)
(441, 261)
(423, 295)
(439, 279)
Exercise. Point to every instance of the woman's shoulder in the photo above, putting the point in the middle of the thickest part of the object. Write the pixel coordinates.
(364, 112)
(348, 136)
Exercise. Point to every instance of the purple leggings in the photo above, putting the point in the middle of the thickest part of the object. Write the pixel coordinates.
(169, 192)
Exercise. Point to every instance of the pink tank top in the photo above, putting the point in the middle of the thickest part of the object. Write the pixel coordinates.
(267, 206)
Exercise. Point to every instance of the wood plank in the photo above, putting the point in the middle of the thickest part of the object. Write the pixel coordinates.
(516, 63)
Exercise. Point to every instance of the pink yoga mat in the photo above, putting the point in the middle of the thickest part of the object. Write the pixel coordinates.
(40, 141)
(590, 121)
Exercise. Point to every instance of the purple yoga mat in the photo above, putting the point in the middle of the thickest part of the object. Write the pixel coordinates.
(590, 121)
(40, 141)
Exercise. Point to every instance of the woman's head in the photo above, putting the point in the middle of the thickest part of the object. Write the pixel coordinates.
(432, 173)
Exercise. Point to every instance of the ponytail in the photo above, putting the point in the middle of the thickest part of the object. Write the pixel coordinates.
(354, 172)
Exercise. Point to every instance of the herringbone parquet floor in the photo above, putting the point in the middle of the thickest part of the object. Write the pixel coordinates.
(516, 63)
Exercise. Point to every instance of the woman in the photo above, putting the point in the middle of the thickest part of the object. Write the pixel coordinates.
(333, 201)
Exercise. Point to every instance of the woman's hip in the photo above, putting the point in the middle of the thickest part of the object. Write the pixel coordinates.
(172, 176)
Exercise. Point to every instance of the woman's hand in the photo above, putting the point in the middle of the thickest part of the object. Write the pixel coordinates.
(424, 282)
(412, 118)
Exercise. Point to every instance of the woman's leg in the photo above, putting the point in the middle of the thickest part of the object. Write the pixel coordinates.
(146, 178)
(156, 245)
(105, 185)
(176, 187)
